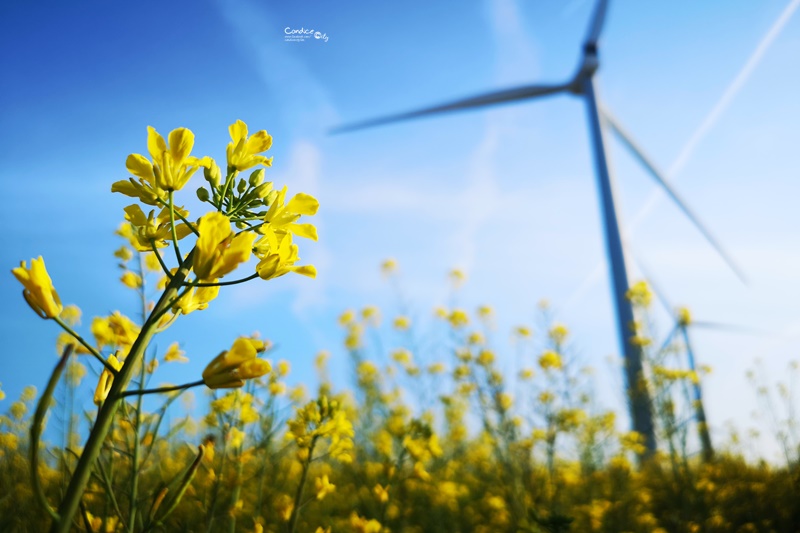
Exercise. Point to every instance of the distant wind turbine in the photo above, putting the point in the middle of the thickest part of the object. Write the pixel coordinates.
(582, 85)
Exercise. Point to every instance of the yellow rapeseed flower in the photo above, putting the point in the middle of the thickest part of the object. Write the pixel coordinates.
(550, 360)
(170, 169)
(152, 228)
(39, 291)
(218, 252)
(105, 381)
(244, 152)
(280, 259)
(640, 294)
(231, 368)
(174, 353)
(389, 266)
(402, 323)
(324, 487)
(131, 279)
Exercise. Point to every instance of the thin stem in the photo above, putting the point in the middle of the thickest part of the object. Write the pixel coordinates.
(86, 345)
(135, 459)
(36, 431)
(104, 477)
(162, 389)
(228, 180)
(299, 494)
(160, 259)
(180, 216)
(222, 283)
(172, 228)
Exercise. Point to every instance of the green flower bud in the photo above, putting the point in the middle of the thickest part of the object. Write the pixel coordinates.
(213, 175)
(241, 225)
(241, 186)
(257, 177)
(264, 189)
(271, 197)
(202, 194)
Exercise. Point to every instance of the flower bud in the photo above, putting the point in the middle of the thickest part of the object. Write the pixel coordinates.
(241, 186)
(202, 194)
(271, 197)
(257, 177)
(264, 189)
(213, 175)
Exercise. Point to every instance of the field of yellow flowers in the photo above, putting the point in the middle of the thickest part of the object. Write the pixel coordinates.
(430, 436)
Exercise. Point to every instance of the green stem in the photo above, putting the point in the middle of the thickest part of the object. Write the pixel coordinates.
(299, 494)
(222, 283)
(228, 180)
(105, 417)
(172, 228)
(183, 218)
(135, 459)
(161, 389)
(160, 259)
(36, 431)
(86, 345)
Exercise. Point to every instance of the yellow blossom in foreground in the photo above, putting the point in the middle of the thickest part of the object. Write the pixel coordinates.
(146, 231)
(282, 217)
(218, 252)
(106, 380)
(244, 152)
(280, 259)
(324, 487)
(231, 368)
(196, 299)
(39, 291)
(170, 169)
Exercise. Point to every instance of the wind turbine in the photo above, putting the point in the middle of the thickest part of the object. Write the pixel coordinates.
(582, 85)
(680, 331)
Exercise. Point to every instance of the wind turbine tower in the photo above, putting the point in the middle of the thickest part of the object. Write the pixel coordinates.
(582, 85)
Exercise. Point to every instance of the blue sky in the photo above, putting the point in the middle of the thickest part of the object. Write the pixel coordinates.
(507, 193)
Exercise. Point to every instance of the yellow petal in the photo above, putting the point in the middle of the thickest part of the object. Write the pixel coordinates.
(303, 204)
(304, 230)
(139, 166)
(155, 144)
(181, 141)
(261, 141)
(307, 270)
(238, 131)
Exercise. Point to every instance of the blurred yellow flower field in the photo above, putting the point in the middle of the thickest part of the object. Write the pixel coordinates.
(432, 435)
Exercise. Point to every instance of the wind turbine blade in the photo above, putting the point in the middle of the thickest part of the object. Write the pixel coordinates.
(596, 25)
(498, 97)
(744, 330)
(637, 152)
